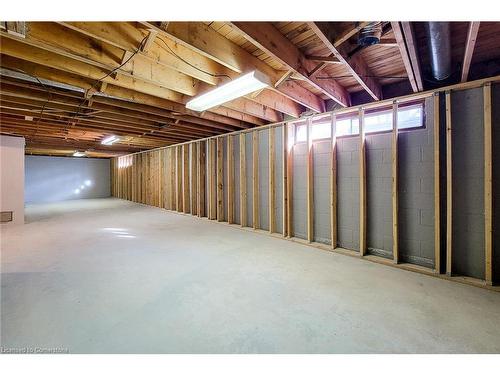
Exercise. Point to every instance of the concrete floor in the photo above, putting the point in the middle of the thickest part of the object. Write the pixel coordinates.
(110, 276)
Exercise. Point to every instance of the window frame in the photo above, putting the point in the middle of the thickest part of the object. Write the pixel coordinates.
(352, 115)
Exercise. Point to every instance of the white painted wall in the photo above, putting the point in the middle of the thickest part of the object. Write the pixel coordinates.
(52, 179)
(12, 177)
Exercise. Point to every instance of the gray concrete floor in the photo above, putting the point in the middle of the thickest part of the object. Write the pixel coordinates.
(110, 276)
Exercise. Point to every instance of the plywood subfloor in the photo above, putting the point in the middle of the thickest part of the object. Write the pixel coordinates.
(110, 276)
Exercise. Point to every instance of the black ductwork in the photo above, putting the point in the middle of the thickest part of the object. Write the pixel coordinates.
(438, 35)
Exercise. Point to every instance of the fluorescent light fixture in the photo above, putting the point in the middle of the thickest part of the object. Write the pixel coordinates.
(241, 86)
(110, 140)
(79, 154)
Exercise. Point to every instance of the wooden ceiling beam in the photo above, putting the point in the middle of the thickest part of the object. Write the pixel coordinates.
(207, 42)
(400, 40)
(342, 38)
(411, 45)
(469, 49)
(269, 39)
(149, 78)
(355, 65)
(178, 57)
(219, 115)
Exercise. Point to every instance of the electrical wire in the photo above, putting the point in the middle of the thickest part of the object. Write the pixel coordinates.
(364, 76)
(94, 86)
(46, 88)
(191, 65)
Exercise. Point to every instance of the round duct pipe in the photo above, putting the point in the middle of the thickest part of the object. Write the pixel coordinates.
(370, 34)
(438, 35)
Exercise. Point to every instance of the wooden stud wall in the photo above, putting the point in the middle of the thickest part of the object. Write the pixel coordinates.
(175, 178)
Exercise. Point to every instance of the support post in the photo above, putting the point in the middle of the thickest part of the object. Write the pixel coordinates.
(243, 182)
(362, 183)
(272, 188)
(449, 175)
(230, 179)
(395, 208)
(488, 185)
(437, 192)
(255, 190)
(310, 183)
(333, 182)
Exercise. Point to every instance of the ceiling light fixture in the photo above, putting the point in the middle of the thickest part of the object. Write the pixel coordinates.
(239, 87)
(110, 140)
(79, 154)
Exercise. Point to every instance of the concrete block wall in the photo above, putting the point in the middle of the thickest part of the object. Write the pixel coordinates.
(299, 197)
(348, 193)
(495, 93)
(468, 182)
(236, 149)
(416, 192)
(379, 194)
(415, 189)
(249, 170)
(322, 153)
(278, 145)
(264, 179)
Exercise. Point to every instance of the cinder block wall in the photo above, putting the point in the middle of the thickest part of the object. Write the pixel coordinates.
(236, 149)
(348, 192)
(495, 100)
(299, 197)
(468, 182)
(416, 221)
(379, 194)
(264, 179)
(322, 154)
(416, 192)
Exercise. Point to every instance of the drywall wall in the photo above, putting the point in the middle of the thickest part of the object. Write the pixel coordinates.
(51, 179)
(468, 182)
(12, 178)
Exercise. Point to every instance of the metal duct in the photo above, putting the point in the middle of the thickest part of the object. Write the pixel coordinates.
(438, 34)
(370, 34)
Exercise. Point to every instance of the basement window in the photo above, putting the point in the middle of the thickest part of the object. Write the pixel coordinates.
(409, 117)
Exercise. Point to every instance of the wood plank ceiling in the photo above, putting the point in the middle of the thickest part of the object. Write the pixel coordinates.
(65, 86)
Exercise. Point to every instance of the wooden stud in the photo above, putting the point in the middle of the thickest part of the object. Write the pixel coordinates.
(333, 182)
(362, 184)
(179, 178)
(230, 179)
(310, 183)
(202, 155)
(243, 181)
(255, 179)
(437, 192)
(284, 153)
(173, 183)
(449, 175)
(289, 178)
(395, 207)
(194, 178)
(272, 176)
(220, 179)
(212, 179)
(488, 186)
(185, 179)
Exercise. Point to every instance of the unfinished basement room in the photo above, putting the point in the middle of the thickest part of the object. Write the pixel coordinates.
(251, 187)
